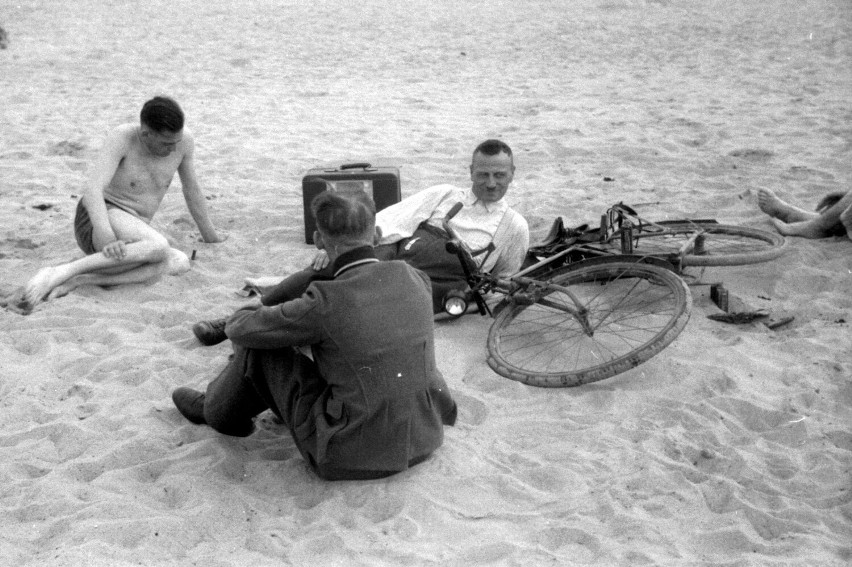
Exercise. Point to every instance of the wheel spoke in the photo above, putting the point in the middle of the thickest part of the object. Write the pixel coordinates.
(629, 308)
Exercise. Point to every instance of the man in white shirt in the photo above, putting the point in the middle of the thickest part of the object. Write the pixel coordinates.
(411, 230)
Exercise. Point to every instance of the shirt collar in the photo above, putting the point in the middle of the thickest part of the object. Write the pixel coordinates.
(353, 258)
(471, 200)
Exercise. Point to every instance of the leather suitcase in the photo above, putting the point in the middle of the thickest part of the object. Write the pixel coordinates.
(380, 182)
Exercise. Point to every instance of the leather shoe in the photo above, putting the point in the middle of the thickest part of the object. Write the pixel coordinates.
(190, 403)
(210, 332)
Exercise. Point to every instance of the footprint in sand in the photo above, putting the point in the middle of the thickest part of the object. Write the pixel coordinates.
(752, 154)
(16, 302)
(84, 411)
(82, 391)
(471, 410)
(66, 148)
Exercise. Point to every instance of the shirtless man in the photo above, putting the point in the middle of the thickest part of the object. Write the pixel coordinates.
(128, 182)
(833, 216)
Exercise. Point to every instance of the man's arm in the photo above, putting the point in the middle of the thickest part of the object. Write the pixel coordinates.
(195, 201)
(109, 158)
(295, 323)
(512, 241)
(401, 219)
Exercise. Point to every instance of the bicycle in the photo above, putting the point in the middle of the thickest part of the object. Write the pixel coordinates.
(682, 243)
(592, 307)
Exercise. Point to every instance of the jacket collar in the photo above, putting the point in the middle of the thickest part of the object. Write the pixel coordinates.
(353, 258)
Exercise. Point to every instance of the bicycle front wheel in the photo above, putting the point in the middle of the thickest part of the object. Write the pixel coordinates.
(634, 310)
(720, 244)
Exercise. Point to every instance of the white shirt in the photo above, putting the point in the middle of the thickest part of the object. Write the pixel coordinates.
(478, 223)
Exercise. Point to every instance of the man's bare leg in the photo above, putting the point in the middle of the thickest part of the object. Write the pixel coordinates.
(846, 220)
(139, 256)
(176, 264)
(147, 256)
(773, 206)
(822, 225)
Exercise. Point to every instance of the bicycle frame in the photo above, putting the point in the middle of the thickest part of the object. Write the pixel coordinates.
(521, 289)
(624, 221)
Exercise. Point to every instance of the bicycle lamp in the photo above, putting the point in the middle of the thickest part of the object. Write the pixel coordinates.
(455, 303)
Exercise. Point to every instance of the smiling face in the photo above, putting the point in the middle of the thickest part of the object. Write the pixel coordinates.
(491, 175)
(160, 144)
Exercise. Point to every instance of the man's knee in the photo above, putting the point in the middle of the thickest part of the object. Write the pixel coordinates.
(176, 262)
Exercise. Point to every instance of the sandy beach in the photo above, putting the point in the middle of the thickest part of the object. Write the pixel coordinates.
(732, 447)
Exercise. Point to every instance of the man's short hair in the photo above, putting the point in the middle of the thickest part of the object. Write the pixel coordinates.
(162, 114)
(349, 216)
(492, 148)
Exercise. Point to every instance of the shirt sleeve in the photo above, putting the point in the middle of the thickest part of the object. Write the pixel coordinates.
(511, 242)
(294, 323)
(400, 220)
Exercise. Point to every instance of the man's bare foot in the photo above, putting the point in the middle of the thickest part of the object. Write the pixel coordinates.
(773, 206)
(805, 229)
(40, 285)
(770, 204)
(63, 289)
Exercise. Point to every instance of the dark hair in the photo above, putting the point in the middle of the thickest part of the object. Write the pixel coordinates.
(162, 114)
(344, 216)
(492, 148)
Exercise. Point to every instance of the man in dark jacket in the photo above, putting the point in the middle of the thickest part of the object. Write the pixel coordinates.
(371, 401)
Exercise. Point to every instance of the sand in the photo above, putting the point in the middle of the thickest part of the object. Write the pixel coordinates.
(731, 447)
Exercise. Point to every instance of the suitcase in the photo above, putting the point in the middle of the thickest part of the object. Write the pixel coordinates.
(380, 182)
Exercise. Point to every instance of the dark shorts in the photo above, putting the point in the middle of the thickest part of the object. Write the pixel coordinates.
(83, 229)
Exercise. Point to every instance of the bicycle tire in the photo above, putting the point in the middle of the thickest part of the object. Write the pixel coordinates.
(724, 244)
(541, 346)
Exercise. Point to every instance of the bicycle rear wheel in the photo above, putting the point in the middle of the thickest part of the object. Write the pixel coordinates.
(634, 309)
(722, 244)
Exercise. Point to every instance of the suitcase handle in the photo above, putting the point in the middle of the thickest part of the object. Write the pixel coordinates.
(359, 165)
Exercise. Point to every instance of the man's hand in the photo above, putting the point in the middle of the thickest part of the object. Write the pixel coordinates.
(115, 250)
(320, 260)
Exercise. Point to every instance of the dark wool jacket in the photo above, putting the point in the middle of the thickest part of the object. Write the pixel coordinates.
(383, 402)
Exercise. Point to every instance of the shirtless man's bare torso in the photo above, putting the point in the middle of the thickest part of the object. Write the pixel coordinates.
(127, 184)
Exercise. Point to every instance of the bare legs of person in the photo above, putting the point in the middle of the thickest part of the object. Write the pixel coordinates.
(147, 257)
(793, 221)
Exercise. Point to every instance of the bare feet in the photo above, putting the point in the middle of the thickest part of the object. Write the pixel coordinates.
(64, 288)
(40, 285)
(770, 204)
(773, 206)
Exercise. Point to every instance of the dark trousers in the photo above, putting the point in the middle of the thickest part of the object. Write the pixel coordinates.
(286, 382)
(283, 380)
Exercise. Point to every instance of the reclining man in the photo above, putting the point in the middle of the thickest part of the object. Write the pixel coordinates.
(371, 401)
(129, 180)
(833, 215)
(411, 230)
